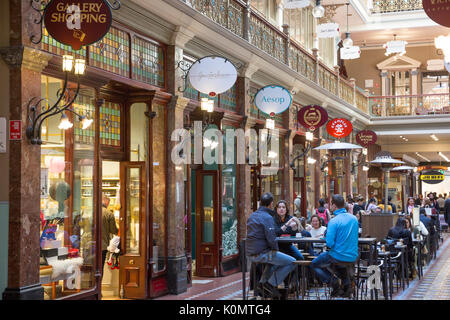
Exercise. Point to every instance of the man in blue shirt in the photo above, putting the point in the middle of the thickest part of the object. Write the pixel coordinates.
(342, 240)
(262, 247)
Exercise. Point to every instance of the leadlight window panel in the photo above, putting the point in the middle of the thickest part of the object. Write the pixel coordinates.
(148, 62)
(228, 99)
(112, 53)
(84, 106)
(110, 124)
(51, 45)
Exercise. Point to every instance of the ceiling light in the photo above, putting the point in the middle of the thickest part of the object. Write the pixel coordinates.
(421, 156)
(318, 11)
(443, 156)
(347, 42)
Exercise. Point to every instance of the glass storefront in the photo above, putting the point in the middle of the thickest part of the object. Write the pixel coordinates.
(67, 232)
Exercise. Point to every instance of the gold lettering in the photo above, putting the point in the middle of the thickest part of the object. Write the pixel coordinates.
(54, 17)
(102, 18)
(99, 6)
(60, 7)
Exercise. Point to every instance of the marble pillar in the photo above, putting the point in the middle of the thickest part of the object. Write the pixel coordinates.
(25, 67)
(177, 269)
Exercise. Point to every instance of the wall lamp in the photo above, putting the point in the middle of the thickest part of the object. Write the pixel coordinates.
(33, 131)
(309, 136)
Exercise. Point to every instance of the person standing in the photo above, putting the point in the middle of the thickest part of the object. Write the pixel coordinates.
(447, 210)
(262, 247)
(359, 205)
(342, 239)
(323, 213)
(109, 227)
(441, 201)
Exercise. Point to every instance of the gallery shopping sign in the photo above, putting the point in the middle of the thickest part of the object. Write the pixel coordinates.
(432, 177)
(77, 23)
(312, 117)
(339, 128)
(437, 10)
(366, 137)
(273, 100)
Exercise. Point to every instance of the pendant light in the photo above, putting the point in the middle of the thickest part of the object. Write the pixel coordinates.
(318, 11)
(347, 42)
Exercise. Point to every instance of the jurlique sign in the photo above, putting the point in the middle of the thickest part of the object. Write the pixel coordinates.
(366, 137)
(77, 23)
(273, 100)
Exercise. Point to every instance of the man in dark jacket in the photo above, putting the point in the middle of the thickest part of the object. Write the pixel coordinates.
(359, 205)
(262, 246)
(447, 210)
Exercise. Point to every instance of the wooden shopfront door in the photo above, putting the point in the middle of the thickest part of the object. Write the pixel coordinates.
(207, 224)
(134, 233)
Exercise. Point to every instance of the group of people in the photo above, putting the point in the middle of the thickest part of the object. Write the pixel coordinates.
(339, 228)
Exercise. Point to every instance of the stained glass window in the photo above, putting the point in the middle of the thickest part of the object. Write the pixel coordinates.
(84, 106)
(112, 53)
(110, 124)
(148, 62)
(51, 45)
(228, 99)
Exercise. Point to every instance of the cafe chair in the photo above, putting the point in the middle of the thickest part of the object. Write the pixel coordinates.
(362, 289)
(347, 270)
(303, 265)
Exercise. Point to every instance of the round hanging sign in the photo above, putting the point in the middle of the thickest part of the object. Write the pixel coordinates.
(212, 75)
(77, 23)
(273, 100)
(437, 11)
(339, 127)
(432, 177)
(312, 117)
(366, 137)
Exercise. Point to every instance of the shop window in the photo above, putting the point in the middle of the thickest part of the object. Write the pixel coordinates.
(67, 229)
(148, 62)
(110, 124)
(159, 188)
(229, 215)
(112, 52)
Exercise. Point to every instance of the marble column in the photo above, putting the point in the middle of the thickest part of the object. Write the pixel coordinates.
(177, 270)
(243, 185)
(25, 67)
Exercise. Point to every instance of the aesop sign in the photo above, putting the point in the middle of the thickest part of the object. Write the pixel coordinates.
(432, 177)
(77, 23)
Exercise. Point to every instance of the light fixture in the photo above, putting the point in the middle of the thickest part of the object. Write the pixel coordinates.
(347, 42)
(311, 160)
(434, 137)
(33, 130)
(309, 136)
(421, 156)
(318, 11)
(365, 168)
(364, 151)
(65, 124)
(443, 43)
(415, 169)
(270, 124)
(443, 156)
(272, 154)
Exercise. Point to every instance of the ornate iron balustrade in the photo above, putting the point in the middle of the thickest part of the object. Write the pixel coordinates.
(411, 105)
(327, 79)
(346, 91)
(388, 6)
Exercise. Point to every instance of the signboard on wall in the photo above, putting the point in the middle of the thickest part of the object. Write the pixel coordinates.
(77, 23)
(273, 100)
(339, 127)
(437, 11)
(312, 117)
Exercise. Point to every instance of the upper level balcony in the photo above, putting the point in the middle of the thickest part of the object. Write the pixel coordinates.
(389, 6)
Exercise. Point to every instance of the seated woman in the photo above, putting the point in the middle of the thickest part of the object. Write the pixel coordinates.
(399, 231)
(285, 224)
(317, 230)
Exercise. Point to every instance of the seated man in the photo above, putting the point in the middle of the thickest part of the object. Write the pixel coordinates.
(342, 239)
(262, 247)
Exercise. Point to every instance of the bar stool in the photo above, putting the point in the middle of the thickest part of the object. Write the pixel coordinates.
(349, 268)
(303, 264)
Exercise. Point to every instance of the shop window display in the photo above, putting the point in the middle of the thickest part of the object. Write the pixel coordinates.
(67, 241)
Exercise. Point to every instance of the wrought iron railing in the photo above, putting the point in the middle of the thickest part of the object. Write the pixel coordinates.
(388, 6)
(411, 105)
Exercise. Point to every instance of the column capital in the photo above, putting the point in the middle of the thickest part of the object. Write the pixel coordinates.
(248, 70)
(178, 103)
(181, 36)
(26, 57)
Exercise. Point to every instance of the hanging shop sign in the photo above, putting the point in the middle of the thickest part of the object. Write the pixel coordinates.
(366, 137)
(435, 65)
(437, 11)
(296, 4)
(212, 75)
(396, 46)
(312, 117)
(327, 30)
(348, 53)
(77, 23)
(339, 127)
(432, 177)
(273, 100)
